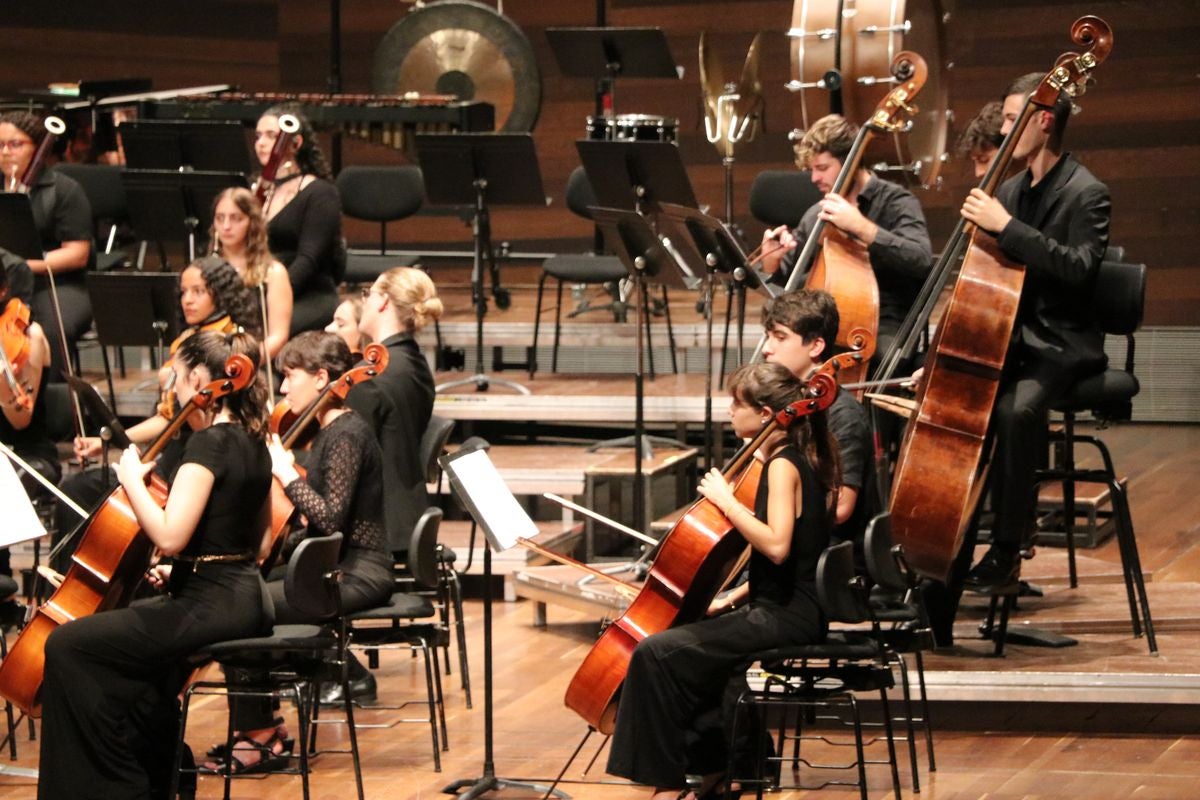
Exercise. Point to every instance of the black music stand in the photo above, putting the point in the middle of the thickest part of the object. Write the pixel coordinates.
(605, 54)
(168, 205)
(639, 248)
(479, 487)
(135, 309)
(634, 175)
(481, 169)
(210, 145)
(18, 231)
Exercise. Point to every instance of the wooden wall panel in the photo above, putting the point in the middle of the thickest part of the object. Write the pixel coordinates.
(1136, 129)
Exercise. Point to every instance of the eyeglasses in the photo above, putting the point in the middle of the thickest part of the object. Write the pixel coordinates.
(14, 144)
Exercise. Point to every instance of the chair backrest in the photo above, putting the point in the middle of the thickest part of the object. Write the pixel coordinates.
(59, 414)
(304, 584)
(422, 559)
(381, 194)
(1119, 297)
(881, 562)
(580, 194)
(433, 444)
(780, 197)
(836, 581)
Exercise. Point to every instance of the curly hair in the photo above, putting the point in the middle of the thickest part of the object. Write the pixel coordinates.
(982, 132)
(29, 124)
(832, 134)
(211, 350)
(228, 292)
(413, 296)
(309, 157)
(258, 254)
(773, 386)
(811, 313)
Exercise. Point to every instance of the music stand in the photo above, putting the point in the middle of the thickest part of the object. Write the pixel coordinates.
(639, 248)
(215, 146)
(604, 54)
(18, 231)
(479, 487)
(135, 309)
(167, 205)
(481, 169)
(99, 412)
(633, 174)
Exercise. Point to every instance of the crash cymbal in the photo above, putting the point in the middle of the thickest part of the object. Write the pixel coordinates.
(463, 48)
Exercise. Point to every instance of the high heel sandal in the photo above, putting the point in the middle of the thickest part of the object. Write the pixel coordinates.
(269, 760)
(289, 743)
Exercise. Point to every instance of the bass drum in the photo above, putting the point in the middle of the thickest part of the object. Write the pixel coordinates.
(857, 40)
(633, 127)
(466, 49)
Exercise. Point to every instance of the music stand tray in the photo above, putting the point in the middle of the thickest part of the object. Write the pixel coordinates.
(211, 145)
(699, 237)
(18, 231)
(135, 309)
(481, 169)
(606, 54)
(167, 205)
(634, 174)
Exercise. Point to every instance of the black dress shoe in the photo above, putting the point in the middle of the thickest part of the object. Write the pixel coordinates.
(997, 570)
(362, 692)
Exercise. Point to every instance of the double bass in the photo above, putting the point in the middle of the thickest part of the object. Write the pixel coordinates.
(111, 558)
(835, 262)
(940, 472)
(292, 427)
(695, 560)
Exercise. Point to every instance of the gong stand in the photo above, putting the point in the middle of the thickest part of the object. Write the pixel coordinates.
(480, 169)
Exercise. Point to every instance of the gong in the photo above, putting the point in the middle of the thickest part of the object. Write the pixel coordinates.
(463, 48)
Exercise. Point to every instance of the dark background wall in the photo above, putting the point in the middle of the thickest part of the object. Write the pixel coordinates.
(1137, 130)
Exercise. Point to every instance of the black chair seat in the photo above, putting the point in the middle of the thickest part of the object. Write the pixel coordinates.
(366, 267)
(836, 646)
(283, 638)
(1102, 389)
(8, 586)
(399, 606)
(585, 268)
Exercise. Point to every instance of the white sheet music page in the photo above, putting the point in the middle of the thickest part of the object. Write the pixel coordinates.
(21, 522)
(502, 517)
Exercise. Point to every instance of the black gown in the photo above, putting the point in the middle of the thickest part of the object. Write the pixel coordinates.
(678, 695)
(306, 237)
(110, 696)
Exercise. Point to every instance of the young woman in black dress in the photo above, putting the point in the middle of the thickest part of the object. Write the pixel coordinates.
(304, 220)
(678, 695)
(112, 680)
(343, 491)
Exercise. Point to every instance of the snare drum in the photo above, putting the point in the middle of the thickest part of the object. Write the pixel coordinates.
(633, 127)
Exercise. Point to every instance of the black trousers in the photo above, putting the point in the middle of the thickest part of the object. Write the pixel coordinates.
(110, 696)
(676, 705)
(76, 314)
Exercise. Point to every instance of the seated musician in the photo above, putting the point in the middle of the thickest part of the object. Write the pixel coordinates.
(342, 492)
(212, 298)
(982, 138)
(239, 236)
(23, 425)
(799, 326)
(64, 221)
(882, 215)
(304, 221)
(397, 405)
(346, 319)
(1053, 218)
(667, 724)
(112, 679)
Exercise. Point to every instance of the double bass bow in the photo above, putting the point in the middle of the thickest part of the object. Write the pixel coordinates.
(940, 472)
(695, 560)
(834, 261)
(293, 427)
(110, 560)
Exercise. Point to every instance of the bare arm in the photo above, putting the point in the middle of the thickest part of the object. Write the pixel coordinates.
(30, 377)
(279, 308)
(71, 256)
(170, 528)
(773, 537)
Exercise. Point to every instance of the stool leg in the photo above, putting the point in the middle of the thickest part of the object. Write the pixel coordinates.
(908, 720)
(1068, 488)
(1132, 561)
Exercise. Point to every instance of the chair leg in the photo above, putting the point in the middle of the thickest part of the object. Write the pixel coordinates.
(858, 746)
(178, 762)
(348, 704)
(1068, 489)
(1132, 562)
(537, 322)
(891, 741)
(557, 327)
(460, 635)
(432, 705)
(925, 718)
(906, 691)
(670, 330)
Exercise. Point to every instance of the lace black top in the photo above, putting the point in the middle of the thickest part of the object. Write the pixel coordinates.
(344, 488)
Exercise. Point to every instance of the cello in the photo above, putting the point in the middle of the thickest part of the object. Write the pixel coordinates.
(835, 262)
(695, 560)
(940, 472)
(112, 556)
(292, 427)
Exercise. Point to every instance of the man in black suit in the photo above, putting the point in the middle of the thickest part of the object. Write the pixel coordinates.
(1052, 218)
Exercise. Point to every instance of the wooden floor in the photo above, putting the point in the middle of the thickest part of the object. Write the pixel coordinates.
(1017, 743)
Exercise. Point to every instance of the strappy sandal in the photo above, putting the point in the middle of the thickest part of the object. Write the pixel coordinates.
(289, 744)
(268, 759)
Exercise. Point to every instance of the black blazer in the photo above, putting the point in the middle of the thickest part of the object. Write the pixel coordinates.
(1061, 248)
(397, 405)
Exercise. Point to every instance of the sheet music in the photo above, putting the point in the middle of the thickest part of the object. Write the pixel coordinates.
(21, 522)
(478, 483)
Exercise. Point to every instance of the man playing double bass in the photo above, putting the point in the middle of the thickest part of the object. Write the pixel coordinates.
(1053, 218)
(883, 216)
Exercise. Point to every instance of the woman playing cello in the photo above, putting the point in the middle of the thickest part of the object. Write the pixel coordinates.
(680, 683)
(112, 679)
